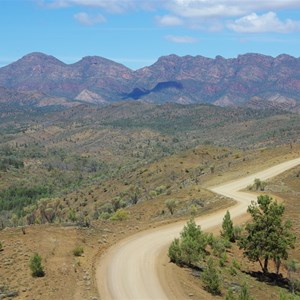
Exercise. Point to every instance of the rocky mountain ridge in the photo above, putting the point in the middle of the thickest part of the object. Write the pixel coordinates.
(240, 81)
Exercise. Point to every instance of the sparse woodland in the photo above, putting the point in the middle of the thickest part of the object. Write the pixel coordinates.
(104, 173)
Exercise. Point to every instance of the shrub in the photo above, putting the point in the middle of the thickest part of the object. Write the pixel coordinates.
(104, 216)
(117, 203)
(171, 205)
(36, 266)
(120, 215)
(244, 293)
(237, 231)
(219, 246)
(211, 278)
(78, 251)
(160, 189)
(72, 215)
(175, 252)
(152, 194)
(190, 248)
(1, 246)
(230, 295)
(235, 264)
(222, 259)
(259, 185)
(232, 271)
(193, 210)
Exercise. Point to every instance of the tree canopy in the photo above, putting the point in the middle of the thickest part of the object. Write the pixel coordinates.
(268, 235)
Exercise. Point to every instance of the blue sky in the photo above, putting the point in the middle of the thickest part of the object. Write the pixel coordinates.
(137, 32)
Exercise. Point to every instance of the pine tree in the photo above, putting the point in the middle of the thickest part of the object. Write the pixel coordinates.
(227, 228)
(268, 236)
(36, 266)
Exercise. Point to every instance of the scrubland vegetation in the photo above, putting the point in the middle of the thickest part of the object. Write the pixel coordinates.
(116, 170)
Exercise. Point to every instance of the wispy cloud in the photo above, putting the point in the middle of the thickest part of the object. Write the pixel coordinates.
(87, 19)
(169, 20)
(115, 6)
(268, 22)
(188, 8)
(181, 39)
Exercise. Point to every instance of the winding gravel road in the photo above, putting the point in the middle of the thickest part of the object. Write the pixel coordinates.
(129, 270)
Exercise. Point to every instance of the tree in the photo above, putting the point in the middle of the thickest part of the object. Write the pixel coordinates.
(227, 228)
(268, 236)
(211, 278)
(36, 266)
(191, 247)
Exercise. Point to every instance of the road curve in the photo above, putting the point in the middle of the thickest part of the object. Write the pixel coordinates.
(129, 269)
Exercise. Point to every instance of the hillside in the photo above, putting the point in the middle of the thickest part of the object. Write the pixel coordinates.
(66, 173)
(48, 154)
(253, 80)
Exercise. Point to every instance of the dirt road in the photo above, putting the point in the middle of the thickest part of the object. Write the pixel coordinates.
(130, 269)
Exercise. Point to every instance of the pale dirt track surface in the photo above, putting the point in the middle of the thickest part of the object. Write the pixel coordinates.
(132, 268)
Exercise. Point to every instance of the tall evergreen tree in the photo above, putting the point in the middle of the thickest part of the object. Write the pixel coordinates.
(227, 231)
(268, 236)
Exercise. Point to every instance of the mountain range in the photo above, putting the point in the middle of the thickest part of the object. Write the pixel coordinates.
(251, 80)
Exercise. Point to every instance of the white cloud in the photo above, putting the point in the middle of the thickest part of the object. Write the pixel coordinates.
(181, 39)
(87, 19)
(169, 20)
(209, 15)
(204, 8)
(226, 8)
(268, 22)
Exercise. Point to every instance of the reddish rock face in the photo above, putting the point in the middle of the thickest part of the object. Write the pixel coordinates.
(172, 78)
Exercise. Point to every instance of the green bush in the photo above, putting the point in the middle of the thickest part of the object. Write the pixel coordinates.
(72, 216)
(232, 271)
(235, 264)
(35, 265)
(175, 252)
(78, 251)
(211, 278)
(230, 295)
(160, 189)
(104, 216)
(171, 205)
(219, 246)
(244, 293)
(222, 259)
(120, 215)
(191, 247)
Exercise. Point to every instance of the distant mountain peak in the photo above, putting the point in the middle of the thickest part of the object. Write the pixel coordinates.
(172, 78)
(39, 57)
